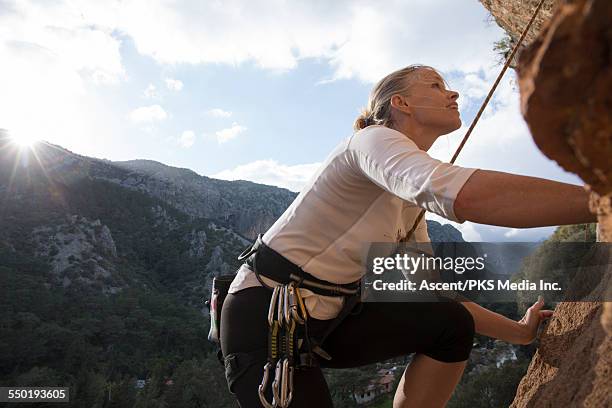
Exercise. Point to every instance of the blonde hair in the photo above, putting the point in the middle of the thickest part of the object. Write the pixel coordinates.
(378, 111)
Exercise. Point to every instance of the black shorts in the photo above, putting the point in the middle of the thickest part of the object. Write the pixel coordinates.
(373, 332)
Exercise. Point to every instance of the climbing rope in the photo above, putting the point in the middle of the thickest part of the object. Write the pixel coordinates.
(482, 108)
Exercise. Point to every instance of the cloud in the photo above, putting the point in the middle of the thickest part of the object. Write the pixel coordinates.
(49, 58)
(469, 231)
(500, 234)
(147, 114)
(359, 39)
(512, 232)
(230, 133)
(187, 138)
(475, 86)
(271, 172)
(219, 113)
(58, 30)
(473, 232)
(174, 84)
(151, 92)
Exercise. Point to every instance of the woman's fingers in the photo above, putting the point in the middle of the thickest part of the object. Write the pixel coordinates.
(538, 304)
(535, 309)
(545, 314)
(532, 319)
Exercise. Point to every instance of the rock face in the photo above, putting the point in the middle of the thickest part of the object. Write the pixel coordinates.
(565, 78)
(248, 208)
(572, 365)
(513, 16)
(443, 232)
(79, 250)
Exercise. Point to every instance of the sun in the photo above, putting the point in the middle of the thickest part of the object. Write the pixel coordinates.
(24, 140)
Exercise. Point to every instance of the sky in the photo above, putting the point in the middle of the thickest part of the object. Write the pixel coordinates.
(249, 89)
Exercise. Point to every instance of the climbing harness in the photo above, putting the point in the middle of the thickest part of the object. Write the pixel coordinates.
(278, 268)
(290, 345)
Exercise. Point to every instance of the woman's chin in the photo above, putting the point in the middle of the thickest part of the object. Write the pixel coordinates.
(459, 123)
(452, 126)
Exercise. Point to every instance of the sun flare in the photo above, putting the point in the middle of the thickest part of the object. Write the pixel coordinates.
(24, 140)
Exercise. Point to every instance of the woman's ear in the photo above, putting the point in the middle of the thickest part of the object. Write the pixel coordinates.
(399, 102)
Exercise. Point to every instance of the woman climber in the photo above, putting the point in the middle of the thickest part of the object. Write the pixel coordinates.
(290, 310)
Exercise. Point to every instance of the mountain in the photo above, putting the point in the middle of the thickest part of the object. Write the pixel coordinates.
(94, 220)
(245, 207)
(443, 232)
(106, 226)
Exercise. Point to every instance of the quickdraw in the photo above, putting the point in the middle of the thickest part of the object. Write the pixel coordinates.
(285, 314)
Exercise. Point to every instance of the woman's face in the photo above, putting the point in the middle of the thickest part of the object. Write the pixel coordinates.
(431, 104)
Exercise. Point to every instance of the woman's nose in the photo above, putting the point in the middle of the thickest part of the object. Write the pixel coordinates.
(454, 95)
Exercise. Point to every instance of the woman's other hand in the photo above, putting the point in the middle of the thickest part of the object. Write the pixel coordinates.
(530, 323)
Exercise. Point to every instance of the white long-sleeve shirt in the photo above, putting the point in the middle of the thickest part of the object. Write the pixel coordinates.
(369, 189)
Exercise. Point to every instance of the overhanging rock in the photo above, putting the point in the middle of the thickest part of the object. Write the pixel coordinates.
(565, 79)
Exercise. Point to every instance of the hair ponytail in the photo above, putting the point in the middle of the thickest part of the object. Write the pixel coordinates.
(363, 120)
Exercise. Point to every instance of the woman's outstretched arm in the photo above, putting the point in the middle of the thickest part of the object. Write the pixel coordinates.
(509, 200)
(491, 324)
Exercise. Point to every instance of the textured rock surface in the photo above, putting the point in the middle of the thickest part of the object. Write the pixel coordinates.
(513, 16)
(565, 78)
(79, 250)
(443, 232)
(246, 207)
(572, 365)
(565, 81)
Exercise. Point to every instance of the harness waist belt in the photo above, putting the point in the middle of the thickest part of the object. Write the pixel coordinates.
(265, 261)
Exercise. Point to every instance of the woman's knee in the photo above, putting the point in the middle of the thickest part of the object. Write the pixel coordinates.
(457, 336)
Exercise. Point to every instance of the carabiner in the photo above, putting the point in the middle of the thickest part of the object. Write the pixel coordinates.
(272, 349)
(276, 384)
(286, 303)
(296, 304)
(273, 301)
(280, 312)
(262, 387)
(290, 388)
(284, 385)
